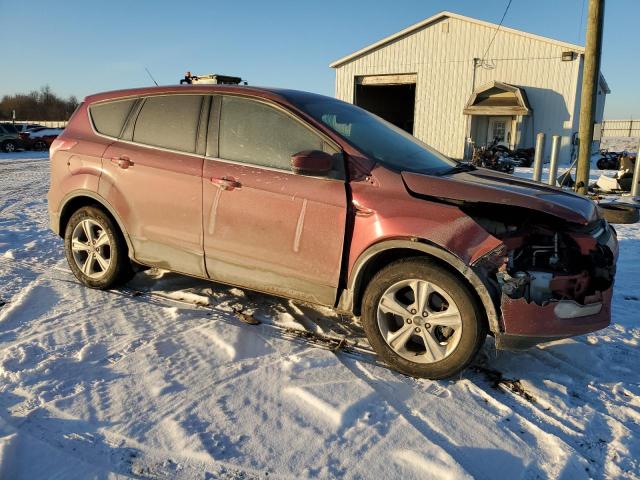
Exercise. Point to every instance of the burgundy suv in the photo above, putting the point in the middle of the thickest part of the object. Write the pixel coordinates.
(310, 198)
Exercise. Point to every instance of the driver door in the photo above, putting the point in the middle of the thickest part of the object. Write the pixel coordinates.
(265, 227)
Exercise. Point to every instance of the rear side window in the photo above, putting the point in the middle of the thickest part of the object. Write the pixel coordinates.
(169, 121)
(255, 133)
(108, 118)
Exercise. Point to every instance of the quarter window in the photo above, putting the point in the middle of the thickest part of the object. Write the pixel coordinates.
(108, 118)
(169, 121)
(255, 133)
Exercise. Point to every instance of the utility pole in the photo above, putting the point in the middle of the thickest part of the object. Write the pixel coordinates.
(590, 79)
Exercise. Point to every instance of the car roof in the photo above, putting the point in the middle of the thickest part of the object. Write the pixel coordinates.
(277, 94)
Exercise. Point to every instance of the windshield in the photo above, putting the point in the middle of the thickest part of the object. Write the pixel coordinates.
(378, 138)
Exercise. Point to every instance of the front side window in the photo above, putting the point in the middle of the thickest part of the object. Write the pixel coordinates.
(169, 121)
(258, 134)
(108, 118)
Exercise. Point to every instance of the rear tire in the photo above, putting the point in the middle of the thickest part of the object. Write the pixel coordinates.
(40, 146)
(435, 336)
(96, 250)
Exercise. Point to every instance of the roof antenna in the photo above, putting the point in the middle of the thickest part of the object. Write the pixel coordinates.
(154, 80)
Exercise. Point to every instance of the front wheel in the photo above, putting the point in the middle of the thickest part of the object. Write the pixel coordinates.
(96, 250)
(9, 146)
(421, 319)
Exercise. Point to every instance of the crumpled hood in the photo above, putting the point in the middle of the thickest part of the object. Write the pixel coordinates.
(487, 186)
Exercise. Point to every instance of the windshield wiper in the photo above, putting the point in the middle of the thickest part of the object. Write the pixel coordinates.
(460, 167)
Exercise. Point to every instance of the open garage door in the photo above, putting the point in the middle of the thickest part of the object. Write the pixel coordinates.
(392, 97)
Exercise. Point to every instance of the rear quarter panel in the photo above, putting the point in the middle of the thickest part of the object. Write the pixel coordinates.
(78, 169)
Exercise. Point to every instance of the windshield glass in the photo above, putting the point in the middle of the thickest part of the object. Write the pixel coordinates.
(378, 138)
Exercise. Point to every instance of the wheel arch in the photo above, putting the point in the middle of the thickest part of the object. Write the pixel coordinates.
(381, 254)
(76, 200)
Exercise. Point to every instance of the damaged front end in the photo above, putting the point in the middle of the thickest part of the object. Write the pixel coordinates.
(551, 278)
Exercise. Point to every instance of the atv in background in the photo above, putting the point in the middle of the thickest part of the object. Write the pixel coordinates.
(500, 158)
(612, 160)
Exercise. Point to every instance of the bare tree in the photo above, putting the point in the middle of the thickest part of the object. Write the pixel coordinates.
(41, 104)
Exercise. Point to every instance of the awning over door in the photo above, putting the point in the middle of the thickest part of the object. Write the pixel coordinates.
(497, 98)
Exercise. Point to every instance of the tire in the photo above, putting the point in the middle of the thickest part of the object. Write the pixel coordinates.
(40, 146)
(9, 146)
(619, 213)
(452, 347)
(602, 164)
(110, 265)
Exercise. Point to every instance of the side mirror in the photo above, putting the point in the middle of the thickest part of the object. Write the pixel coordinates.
(312, 162)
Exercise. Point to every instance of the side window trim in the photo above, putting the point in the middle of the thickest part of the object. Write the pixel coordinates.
(201, 132)
(213, 129)
(127, 131)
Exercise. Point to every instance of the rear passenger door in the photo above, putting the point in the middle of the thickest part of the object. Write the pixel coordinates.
(152, 175)
(265, 227)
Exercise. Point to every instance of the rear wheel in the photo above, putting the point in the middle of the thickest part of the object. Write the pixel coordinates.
(96, 250)
(40, 145)
(421, 319)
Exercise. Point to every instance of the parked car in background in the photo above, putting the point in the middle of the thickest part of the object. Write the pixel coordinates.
(23, 127)
(40, 138)
(310, 198)
(9, 139)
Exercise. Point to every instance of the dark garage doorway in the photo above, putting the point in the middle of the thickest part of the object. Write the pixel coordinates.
(395, 102)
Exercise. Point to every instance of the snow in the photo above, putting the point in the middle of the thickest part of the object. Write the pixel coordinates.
(620, 144)
(163, 379)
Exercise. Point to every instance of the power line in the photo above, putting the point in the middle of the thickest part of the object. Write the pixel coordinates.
(496, 32)
(581, 21)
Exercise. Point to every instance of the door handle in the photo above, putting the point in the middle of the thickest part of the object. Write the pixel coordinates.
(123, 162)
(226, 183)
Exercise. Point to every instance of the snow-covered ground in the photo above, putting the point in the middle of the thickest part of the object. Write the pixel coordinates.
(163, 380)
(619, 144)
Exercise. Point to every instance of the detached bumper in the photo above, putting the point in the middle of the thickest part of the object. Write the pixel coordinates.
(528, 324)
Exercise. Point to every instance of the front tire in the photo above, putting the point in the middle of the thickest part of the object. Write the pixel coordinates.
(9, 146)
(421, 319)
(96, 250)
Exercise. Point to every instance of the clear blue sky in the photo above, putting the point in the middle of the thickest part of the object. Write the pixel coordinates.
(83, 46)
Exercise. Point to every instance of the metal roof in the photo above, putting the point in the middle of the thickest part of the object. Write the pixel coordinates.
(445, 14)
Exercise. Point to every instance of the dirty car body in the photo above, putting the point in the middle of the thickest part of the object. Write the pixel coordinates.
(538, 262)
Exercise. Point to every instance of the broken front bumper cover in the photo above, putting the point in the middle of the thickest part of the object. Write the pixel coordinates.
(528, 324)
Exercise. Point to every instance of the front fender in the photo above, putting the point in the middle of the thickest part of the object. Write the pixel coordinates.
(356, 278)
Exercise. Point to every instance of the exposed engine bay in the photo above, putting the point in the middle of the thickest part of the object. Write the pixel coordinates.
(543, 259)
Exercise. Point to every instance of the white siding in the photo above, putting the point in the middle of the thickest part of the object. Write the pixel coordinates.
(443, 61)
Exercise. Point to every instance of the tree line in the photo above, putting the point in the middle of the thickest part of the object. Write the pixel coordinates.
(40, 104)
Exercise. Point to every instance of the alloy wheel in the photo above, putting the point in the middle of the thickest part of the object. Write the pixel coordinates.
(419, 321)
(91, 248)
